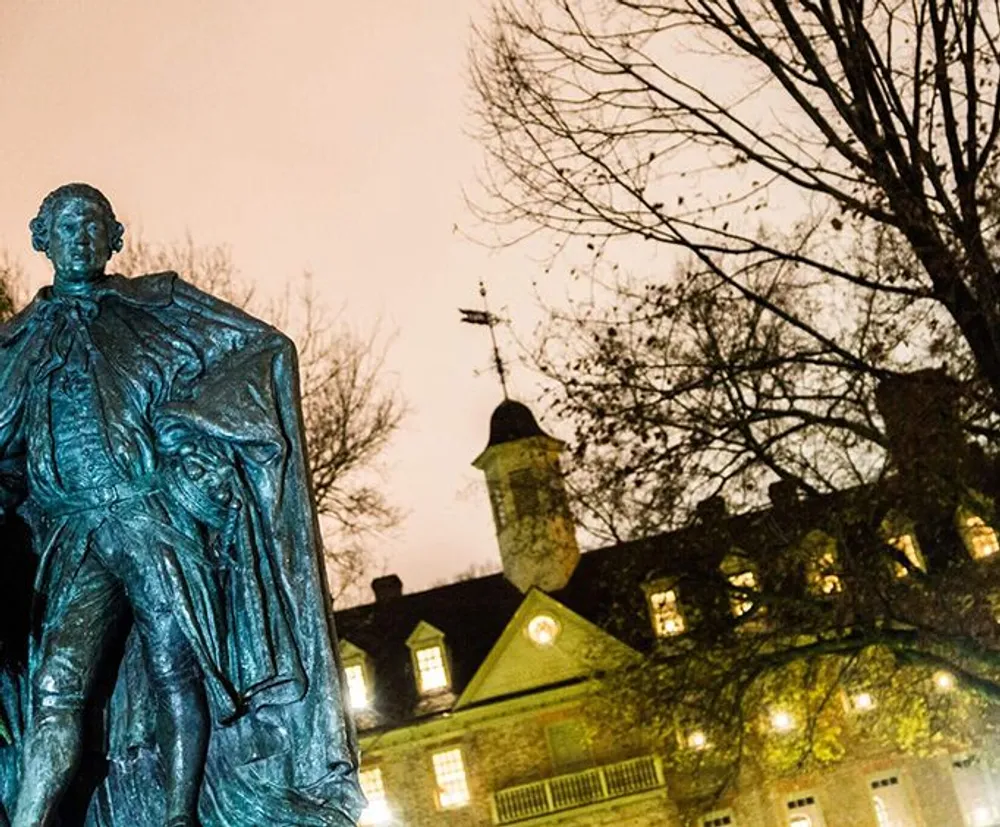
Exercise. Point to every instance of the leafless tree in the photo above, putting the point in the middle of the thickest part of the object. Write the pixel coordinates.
(824, 176)
(350, 406)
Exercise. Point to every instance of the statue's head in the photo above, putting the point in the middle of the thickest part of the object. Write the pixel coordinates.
(77, 229)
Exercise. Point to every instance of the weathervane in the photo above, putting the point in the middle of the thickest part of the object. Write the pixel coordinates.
(484, 317)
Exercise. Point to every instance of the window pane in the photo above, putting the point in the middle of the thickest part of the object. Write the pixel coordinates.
(356, 687)
(449, 772)
(743, 583)
(980, 539)
(667, 617)
(377, 811)
(907, 543)
(430, 664)
(891, 806)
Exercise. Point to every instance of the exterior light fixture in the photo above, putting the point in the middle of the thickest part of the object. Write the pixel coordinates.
(781, 721)
(944, 681)
(543, 630)
(863, 701)
(697, 739)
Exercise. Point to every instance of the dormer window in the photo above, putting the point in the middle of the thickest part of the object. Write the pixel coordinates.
(907, 544)
(357, 685)
(430, 659)
(431, 669)
(664, 610)
(822, 564)
(980, 539)
(357, 675)
(741, 575)
(897, 531)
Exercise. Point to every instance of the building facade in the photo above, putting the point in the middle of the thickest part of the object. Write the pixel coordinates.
(475, 700)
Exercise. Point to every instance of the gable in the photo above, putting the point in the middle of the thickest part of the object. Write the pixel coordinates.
(518, 664)
(349, 651)
(424, 634)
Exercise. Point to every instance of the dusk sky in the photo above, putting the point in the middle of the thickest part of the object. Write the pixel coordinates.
(305, 135)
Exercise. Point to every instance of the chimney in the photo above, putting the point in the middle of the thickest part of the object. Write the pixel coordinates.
(922, 425)
(711, 510)
(784, 494)
(387, 588)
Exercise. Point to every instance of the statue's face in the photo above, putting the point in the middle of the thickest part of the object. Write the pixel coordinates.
(78, 241)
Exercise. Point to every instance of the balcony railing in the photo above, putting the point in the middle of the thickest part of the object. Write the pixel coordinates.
(578, 789)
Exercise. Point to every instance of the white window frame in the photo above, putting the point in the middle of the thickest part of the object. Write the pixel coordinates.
(424, 638)
(441, 793)
(979, 537)
(358, 666)
(373, 786)
(425, 669)
(885, 780)
(654, 590)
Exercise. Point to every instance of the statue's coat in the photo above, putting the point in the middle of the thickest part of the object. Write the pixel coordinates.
(246, 575)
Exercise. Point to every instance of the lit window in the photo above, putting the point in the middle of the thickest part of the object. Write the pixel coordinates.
(543, 630)
(819, 552)
(357, 688)
(743, 584)
(449, 772)
(980, 539)
(430, 665)
(907, 543)
(377, 811)
(667, 618)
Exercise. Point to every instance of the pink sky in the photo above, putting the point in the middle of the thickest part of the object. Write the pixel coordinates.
(306, 135)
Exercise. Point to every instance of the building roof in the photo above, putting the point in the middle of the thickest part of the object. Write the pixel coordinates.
(512, 421)
(605, 589)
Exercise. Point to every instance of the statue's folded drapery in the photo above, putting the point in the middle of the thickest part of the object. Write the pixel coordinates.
(240, 557)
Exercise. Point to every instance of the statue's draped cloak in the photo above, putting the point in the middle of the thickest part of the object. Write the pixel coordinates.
(246, 579)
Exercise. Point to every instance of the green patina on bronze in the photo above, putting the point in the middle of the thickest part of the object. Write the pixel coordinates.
(177, 664)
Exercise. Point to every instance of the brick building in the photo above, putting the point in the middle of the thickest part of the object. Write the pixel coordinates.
(473, 699)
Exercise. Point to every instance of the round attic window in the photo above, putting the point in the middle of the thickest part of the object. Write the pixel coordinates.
(543, 629)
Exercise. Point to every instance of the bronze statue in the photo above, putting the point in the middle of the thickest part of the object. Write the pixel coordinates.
(180, 665)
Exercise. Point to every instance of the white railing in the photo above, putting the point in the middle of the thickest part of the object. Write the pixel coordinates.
(577, 789)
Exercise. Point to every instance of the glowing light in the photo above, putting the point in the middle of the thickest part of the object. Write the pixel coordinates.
(863, 701)
(357, 688)
(944, 681)
(449, 771)
(982, 816)
(430, 665)
(697, 739)
(781, 721)
(377, 811)
(667, 617)
(543, 630)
